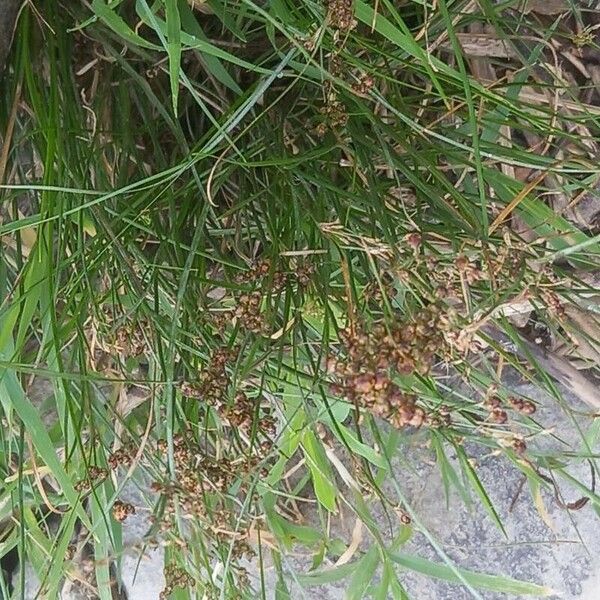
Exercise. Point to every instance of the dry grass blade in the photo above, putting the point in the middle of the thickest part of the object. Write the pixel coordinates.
(8, 133)
(482, 45)
(510, 207)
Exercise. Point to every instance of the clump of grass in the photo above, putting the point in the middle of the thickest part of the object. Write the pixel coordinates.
(205, 204)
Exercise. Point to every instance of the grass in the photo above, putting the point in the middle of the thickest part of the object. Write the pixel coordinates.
(203, 203)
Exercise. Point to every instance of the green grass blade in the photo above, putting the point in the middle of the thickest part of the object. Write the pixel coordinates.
(173, 48)
(494, 583)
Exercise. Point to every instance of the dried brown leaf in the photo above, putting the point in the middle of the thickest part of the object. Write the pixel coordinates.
(482, 45)
(545, 7)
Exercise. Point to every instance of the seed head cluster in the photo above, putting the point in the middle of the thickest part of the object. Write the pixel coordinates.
(198, 474)
(121, 510)
(333, 111)
(523, 406)
(364, 85)
(374, 292)
(519, 446)
(175, 577)
(471, 267)
(341, 15)
(258, 272)
(243, 412)
(498, 414)
(262, 272)
(249, 312)
(130, 340)
(468, 269)
(200, 493)
(363, 373)
(95, 475)
(335, 114)
(250, 305)
(555, 305)
(214, 380)
(123, 457)
(117, 336)
(220, 321)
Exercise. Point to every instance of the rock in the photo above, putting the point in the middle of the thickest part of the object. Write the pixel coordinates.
(141, 566)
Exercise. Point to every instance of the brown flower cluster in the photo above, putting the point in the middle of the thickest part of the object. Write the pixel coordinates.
(555, 305)
(115, 336)
(212, 388)
(375, 291)
(335, 113)
(519, 446)
(243, 412)
(364, 373)
(214, 380)
(364, 85)
(249, 312)
(468, 269)
(263, 271)
(95, 475)
(198, 473)
(175, 577)
(498, 414)
(249, 309)
(121, 510)
(241, 549)
(257, 272)
(523, 406)
(474, 265)
(507, 260)
(130, 340)
(123, 457)
(220, 321)
(303, 274)
(200, 494)
(341, 15)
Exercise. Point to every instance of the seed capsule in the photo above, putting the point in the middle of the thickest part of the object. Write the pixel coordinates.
(519, 446)
(528, 407)
(498, 416)
(364, 383)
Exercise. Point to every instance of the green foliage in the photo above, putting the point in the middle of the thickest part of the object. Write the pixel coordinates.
(268, 182)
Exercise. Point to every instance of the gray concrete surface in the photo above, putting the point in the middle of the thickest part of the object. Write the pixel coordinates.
(561, 551)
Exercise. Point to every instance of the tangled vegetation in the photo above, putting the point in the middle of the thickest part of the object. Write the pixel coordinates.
(249, 248)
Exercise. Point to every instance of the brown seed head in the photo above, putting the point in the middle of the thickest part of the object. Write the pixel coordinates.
(528, 407)
(498, 416)
(121, 510)
(519, 446)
